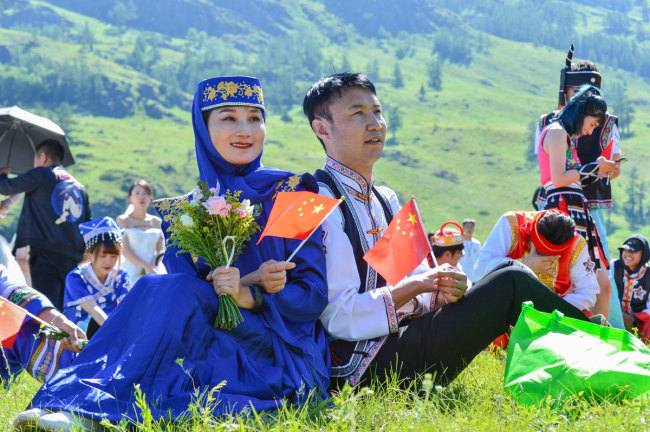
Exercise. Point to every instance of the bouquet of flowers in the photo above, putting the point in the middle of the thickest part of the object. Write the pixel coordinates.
(215, 228)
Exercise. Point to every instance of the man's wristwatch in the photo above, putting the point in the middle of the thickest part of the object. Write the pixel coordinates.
(258, 296)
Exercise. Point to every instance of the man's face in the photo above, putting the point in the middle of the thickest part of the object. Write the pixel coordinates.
(571, 91)
(468, 228)
(452, 257)
(40, 159)
(356, 132)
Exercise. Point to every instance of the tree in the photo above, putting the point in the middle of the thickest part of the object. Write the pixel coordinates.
(633, 207)
(394, 121)
(122, 12)
(345, 65)
(87, 37)
(372, 70)
(398, 80)
(621, 105)
(434, 70)
(423, 93)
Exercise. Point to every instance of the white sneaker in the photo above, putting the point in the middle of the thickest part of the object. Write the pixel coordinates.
(65, 422)
(26, 420)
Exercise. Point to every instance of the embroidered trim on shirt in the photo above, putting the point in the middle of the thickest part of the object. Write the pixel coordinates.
(340, 168)
(23, 295)
(390, 309)
(45, 360)
(353, 379)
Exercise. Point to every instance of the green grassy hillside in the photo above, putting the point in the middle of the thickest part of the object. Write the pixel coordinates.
(462, 151)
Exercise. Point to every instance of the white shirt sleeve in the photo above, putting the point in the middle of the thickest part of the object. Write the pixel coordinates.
(351, 315)
(495, 248)
(584, 285)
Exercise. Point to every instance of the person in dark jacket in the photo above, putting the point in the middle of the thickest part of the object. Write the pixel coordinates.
(632, 280)
(55, 204)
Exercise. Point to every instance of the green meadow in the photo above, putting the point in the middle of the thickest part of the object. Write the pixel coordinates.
(475, 401)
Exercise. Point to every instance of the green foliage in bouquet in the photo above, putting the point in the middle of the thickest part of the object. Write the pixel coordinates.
(214, 228)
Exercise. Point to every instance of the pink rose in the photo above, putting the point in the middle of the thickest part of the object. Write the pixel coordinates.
(217, 205)
(241, 212)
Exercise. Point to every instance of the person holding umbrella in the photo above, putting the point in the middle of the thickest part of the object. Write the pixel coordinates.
(54, 206)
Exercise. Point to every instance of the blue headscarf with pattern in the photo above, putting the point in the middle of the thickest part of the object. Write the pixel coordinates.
(255, 181)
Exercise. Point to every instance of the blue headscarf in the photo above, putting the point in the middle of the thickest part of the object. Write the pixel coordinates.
(255, 181)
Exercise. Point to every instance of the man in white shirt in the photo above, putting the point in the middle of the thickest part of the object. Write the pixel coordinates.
(472, 248)
(374, 327)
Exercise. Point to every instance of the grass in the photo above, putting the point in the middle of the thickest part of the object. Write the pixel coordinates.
(475, 401)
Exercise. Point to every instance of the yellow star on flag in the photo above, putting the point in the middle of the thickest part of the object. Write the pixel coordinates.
(318, 209)
(412, 219)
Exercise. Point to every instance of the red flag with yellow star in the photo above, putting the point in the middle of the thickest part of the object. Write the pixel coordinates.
(11, 319)
(297, 214)
(403, 246)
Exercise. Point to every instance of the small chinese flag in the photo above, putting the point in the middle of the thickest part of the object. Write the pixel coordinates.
(402, 247)
(11, 319)
(607, 153)
(297, 214)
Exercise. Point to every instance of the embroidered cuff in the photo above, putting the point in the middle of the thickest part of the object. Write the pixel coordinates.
(390, 309)
(79, 301)
(30, 299)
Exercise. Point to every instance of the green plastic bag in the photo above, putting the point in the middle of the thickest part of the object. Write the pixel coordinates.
(553, 355)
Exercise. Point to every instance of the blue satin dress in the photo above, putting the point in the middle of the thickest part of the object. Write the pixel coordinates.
(161, 338)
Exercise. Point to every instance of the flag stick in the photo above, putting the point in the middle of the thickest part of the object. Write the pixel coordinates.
(433, 257)
(15, 306)
(312, 231)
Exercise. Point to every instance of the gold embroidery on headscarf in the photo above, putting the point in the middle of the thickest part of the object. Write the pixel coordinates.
(232, 89)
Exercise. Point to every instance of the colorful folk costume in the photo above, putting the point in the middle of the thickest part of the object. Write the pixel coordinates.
(604, 141)
(633, 286)
(167, 344)
(31, 351)
(369, 335)
(82, 285)
(570, 198)
(571, 276)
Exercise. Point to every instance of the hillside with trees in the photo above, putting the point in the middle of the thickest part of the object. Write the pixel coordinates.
(462, 84)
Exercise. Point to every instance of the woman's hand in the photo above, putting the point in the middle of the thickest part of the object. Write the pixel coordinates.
(272, 275)
(57, 319)
(607, 167)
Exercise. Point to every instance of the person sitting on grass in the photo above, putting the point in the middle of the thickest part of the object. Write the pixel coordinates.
(95, 287)
(446, 327)
(632, 279)
(161, 340)
(30, 350)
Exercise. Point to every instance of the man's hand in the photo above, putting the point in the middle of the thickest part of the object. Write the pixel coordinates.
(57, 319)
(451, 283)
(538, 263)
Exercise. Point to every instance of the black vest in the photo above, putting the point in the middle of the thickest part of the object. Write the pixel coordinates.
(347, 355)
(637, 304)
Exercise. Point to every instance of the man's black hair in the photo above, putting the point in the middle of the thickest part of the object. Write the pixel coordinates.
(556, 227)
(587, 102)
(325, 90)
(439, 250)
(52, 149)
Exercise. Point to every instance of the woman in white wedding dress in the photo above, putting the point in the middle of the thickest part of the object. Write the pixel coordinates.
(143, 238)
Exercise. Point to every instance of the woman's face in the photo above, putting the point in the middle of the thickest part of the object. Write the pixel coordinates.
(140, 197)
(103, 263)
(237, 133)
(631, 259)
(588, 125)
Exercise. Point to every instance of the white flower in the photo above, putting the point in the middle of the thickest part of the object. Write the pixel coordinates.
(187, 221)
(248, 208)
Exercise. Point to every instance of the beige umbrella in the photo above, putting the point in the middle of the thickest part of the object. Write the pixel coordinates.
(21, 132)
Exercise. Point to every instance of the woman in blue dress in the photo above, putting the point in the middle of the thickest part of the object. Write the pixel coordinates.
(161, 337)
(94, 288)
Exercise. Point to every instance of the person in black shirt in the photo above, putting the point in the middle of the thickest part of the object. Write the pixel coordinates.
(55, 204)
